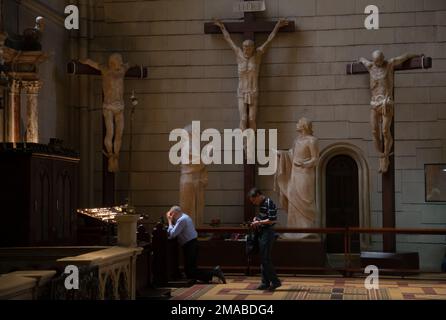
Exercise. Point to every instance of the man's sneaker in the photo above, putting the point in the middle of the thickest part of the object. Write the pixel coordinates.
(274, 286)
(263, 287)
(219, 274)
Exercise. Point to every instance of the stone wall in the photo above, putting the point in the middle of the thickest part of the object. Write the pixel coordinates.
(193, 77)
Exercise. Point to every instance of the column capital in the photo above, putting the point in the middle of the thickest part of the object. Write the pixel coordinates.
(32, 87)
(15, 86)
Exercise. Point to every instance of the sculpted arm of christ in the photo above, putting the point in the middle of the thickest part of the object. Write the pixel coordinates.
(113, 76)
(248, 63)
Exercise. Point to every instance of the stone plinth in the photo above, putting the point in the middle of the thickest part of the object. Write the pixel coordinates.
(127, 230)
(116, 267)
(15, 287)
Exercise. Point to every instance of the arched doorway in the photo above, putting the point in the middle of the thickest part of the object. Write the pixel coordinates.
(342, 200)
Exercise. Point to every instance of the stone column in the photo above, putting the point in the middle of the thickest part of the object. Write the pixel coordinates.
(32, 89)
(13, 113)
(127, 230)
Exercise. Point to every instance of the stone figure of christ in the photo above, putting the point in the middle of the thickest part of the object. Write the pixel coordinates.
(248, 60)
(113, 105)
(382, 102)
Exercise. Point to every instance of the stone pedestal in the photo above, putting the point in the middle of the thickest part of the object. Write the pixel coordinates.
(127, 230)
(32, 89)
(14, 287)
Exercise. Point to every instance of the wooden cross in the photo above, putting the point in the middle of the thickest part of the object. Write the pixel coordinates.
(249, 28)
(108, 179)
(388, 178)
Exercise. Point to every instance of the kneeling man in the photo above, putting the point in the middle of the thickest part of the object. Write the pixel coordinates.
(182, 227)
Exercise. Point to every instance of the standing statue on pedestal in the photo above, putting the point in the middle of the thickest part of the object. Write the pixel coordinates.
(382, 103)
(248, 60)
(113, 107)
(296, 179)
(193, 183)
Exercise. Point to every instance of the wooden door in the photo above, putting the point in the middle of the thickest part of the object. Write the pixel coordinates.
(342, 201)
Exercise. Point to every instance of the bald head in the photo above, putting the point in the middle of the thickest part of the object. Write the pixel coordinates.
(176, 209)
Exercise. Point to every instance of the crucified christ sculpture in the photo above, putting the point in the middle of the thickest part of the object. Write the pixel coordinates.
(113, 106)
(248, 60)
(382, 102)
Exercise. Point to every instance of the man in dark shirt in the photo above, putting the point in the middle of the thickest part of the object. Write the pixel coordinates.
(264, 223)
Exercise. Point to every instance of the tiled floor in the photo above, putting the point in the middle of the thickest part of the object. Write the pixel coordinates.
(316, 288)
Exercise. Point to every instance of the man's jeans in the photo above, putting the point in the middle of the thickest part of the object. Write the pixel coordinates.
(266, 241)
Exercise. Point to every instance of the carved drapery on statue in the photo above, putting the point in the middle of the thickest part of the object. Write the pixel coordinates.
(193, 183)
(296, 178)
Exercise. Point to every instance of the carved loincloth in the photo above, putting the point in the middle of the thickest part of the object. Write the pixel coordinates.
(383, 105)
(249, 97)
(114, 107)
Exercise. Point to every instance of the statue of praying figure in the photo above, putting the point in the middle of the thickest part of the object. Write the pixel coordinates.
(193, 182)
(248, 61)
(296, 179)
(382, 103)
(113, 106)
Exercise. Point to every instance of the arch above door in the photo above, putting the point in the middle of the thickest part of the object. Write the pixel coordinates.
(364, 184)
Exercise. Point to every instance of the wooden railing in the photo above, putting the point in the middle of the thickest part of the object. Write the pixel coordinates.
(347, 233)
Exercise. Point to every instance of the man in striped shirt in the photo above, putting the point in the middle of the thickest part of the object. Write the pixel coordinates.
(264, 223)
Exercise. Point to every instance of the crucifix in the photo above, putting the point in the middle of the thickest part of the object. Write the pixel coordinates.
(248, 61)
(113, 111)
(382, 122)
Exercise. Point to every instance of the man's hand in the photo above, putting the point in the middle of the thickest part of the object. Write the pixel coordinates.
(299, 163)
(169, 216)
(256, 224)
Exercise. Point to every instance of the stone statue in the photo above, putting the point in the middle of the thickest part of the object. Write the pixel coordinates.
(193, 182)
(113, 106)
(248, 61)
(296, 179)
(382, 103)
(39, 28)
(40, 24)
